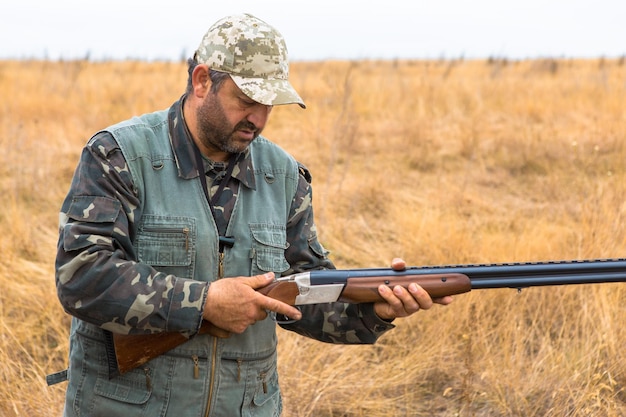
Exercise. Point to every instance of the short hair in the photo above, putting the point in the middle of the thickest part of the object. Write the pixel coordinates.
(217, 77)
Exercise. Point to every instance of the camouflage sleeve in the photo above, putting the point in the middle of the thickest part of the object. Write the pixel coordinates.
(304, 252)
(332, 322)
(98, 277)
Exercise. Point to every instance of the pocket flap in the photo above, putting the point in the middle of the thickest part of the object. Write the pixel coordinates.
(95, 209)
(270, 235)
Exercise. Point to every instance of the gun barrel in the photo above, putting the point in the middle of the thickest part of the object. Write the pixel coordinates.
(505, 275)
(533, 274)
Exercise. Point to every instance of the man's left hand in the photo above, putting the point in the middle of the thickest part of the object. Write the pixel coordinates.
(402, 302)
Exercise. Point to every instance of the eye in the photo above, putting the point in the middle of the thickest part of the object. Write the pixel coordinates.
(246, 101)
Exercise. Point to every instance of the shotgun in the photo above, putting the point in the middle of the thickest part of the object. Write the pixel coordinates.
(361, 286)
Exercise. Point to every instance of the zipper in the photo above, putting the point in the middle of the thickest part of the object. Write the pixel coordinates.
(196, 367)
(262, 377)
(220, 265)
(148, 379)
(214, 342)
(172, 230)
(212, 379)
(186, 233)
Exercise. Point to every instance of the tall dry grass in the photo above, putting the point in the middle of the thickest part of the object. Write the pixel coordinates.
(437, 162)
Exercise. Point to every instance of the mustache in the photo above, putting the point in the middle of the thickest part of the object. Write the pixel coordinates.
(246, 125)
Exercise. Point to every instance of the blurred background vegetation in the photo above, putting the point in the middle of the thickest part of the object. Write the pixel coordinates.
(437, 162)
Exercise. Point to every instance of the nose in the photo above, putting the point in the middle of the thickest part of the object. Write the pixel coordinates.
(259, 114)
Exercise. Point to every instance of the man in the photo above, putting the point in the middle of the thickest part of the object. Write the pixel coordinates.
(179, 216)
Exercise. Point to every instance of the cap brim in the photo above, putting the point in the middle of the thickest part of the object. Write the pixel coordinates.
(268, 92)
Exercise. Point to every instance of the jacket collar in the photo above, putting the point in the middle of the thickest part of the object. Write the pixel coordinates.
(183, 149)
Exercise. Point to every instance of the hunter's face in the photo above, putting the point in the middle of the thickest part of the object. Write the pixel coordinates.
(229, 120)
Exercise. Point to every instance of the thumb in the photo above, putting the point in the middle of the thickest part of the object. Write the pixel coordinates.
(260, 281)
(398, 264)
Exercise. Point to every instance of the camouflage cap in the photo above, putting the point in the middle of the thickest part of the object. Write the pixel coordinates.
(255, 56)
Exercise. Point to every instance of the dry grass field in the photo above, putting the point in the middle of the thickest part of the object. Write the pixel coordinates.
(438, 162)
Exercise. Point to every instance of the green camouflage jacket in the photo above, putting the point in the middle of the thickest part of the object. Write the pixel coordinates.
(96, 263)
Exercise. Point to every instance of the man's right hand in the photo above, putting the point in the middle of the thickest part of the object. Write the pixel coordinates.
(233, 304)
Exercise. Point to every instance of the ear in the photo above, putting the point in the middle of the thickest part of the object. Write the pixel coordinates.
(200, 80)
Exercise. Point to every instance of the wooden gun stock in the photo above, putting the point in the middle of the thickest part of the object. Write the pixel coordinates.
(131, 351)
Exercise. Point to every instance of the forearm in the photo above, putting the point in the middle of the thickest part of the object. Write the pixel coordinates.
(99, 286)
(340, 323)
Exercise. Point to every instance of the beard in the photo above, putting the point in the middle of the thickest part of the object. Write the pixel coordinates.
(216, 132)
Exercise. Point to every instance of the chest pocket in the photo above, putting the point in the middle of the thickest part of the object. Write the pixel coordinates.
(168, 243)
(269, 242)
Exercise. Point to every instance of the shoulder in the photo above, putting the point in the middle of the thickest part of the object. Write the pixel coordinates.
(148, 126)
(102, 144)
(145, 121)
(304, 172)
(264, 151)
(263, 146)
(140, 135)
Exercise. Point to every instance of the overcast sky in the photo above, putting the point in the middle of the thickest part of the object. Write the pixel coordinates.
(320, 29)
